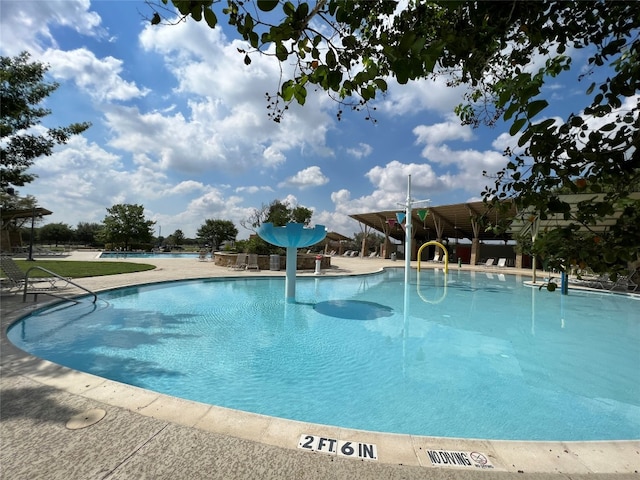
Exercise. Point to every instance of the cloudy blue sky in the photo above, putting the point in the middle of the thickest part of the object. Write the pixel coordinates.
(180, 126)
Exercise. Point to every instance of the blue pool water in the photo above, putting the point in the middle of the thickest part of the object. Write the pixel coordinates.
(474, 357)
(147, 255)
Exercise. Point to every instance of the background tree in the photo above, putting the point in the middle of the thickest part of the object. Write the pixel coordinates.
(124, 224)
(214, 232)
(22, 90)
(279, 213)
(176, 238)
(369, 239)
(55, 233)
(87, 233)
(350, 49)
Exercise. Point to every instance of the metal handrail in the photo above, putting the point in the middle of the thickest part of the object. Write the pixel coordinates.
(48, 292)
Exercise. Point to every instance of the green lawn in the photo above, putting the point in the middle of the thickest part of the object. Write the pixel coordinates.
(73, 269)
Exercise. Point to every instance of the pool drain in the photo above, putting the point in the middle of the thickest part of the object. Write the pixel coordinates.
(86, 419)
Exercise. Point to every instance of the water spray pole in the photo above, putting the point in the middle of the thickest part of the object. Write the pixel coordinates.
(408, 231)
(407, 247)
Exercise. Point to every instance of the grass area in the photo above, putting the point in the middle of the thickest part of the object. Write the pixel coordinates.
(69, 268)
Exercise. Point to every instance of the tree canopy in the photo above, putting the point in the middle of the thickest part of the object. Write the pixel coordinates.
(279, 213)
(55, 233)
(125, 224)
(217, 231)
(504, 52)
(22, 89)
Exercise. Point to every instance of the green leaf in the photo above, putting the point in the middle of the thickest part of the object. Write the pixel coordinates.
(381, 84)
(330, 59)
(300, 94)
(210, 18)
(525, 137)
(536, 107)
(267, 5)
(517, 126)
(281, 52)
(513, 108)
(287, 91)
(247, 60)
(546, 124)
(156, 19)
(288, 9)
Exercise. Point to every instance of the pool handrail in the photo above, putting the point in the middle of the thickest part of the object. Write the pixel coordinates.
(48, 292)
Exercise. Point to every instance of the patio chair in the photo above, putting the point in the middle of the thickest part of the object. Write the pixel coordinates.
(202, 257)
(241, 262)
(625, 283)
(502, 262)
(17, 279)
(489, 262)
(252, 262)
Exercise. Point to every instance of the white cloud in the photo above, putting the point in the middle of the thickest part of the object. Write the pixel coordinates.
(442, 132)
(27, 25)
(254, 189)
(420, 95)
(363, 150)
(227, 102)
(100, 78)
(309, 177)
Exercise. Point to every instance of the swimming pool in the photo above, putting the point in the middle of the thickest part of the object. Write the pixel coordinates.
(148, 255)
(479, 358)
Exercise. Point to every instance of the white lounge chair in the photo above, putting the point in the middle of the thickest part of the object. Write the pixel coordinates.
(252, 262)
(502, 262)
(17, 278)
(489, 262)
(241, 262)
(625, 283)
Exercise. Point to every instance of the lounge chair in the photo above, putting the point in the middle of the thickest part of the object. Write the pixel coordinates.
(252, 262)
(436, 258)
(17, 278)
(241, 262)
(502, 262)
(489, 262)
(625, 283)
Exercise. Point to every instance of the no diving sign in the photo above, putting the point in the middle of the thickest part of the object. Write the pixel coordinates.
(453, 458)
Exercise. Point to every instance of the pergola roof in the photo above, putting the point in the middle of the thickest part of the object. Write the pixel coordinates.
(336, 237)
(8, 215)
(456, 221)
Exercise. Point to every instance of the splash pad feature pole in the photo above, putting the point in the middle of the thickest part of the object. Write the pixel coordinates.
(292, 236)
(408, 233)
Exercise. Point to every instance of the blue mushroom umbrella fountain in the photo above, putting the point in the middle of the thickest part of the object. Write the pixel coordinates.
(292, 236)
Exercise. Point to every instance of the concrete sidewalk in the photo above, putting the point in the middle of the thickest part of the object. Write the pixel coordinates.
(145, 435)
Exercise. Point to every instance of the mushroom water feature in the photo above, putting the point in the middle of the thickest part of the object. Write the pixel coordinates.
(292, 236)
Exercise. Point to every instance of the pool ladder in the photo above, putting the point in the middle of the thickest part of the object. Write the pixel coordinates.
(48, 291)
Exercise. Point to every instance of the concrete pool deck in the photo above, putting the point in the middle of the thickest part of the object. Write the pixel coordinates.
(148, 435)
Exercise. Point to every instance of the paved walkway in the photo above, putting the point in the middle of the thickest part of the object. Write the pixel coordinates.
(56, 423)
